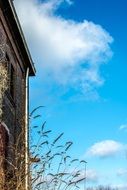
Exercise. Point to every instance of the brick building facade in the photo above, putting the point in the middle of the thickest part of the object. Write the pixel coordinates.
(19, 63)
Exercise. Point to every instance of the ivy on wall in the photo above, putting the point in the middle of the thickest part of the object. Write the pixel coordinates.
(3, 70)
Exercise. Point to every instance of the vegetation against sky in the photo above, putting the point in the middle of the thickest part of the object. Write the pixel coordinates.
(79, 48)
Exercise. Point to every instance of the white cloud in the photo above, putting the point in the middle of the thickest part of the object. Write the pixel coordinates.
(123, 127)
(69, 2)
(122, 172)
(91, 175)
(70, 53)
(105, 148)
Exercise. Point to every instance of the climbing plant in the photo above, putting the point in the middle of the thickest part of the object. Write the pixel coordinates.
(3, 70)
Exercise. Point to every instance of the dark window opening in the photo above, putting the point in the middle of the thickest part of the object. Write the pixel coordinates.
(11, 76)
(7, 58)
(12, 80)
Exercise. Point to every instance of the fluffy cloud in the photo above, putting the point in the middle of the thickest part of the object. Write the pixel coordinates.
(105, 148)
(69, 52)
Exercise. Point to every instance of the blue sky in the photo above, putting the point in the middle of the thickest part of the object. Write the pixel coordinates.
(79, 49)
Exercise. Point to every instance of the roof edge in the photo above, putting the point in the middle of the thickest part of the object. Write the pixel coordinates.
(13, 21)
